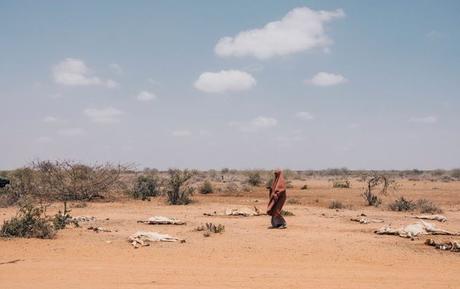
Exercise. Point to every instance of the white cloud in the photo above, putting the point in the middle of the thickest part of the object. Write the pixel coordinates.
(426, 119)
(74, 72)
(258, 123)
(103, 115)
(303, 115)
(146, 96)
(76, 131)
(326, 79)
(299, 30)
(181, 133)
(115, 67)
(225, 80)
(50, 119)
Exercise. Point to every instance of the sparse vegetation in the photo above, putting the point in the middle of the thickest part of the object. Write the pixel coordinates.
(210, 228)
(402, 205)
(336, 205)
(287, 213)
(293, 201)
(146, 187)
(254, 178)
(455, 173)
(304, 187)
(373, 182)
(342, 184)
(30, 222)
(206, 188)
(427, 207)
(178, 192)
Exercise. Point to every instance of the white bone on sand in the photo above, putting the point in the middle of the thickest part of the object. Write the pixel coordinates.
(414, 230)
(143, 238)
(365, 220)
(161, 220)
(244, 212)
(439, 218)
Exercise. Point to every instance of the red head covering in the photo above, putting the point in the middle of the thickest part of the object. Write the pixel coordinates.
(279, 183)
(277, 195)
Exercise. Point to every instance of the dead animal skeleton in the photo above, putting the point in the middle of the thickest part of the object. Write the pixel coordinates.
(439, 218)
(160, 220)
(144, 238)
(365, 220)
(244, 212)
(414, 230)
(453, 246)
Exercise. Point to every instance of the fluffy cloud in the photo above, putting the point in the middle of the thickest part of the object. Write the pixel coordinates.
(326, 79)
(303, 115)
(181, 133)
(75, 131)
(426, 119)
(258, 123)
(299, 30)
(225, 80)
(74, 72)
(146, 96)
(103, 115)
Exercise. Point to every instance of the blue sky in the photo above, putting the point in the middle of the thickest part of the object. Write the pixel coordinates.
(241, 84)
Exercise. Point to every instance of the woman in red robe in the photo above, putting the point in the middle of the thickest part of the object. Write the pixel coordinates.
(277, 198)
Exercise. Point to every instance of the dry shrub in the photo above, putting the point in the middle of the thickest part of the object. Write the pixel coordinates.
(70, 181)
(342, 184)
(146, 187)
(287, 213)
(206, 188)
(427, 207)
(178, 191)
(402, 205)
(336, 205)
(231, 188)
(304, 187)
(210, 228)
(293, 201)
(254, 178)
(375, 182)
(30, 222)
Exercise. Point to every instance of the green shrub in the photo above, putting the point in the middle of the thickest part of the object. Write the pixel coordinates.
(178, 192)
(146, 187)
(206, 188)
(30, 222)
(402, 205)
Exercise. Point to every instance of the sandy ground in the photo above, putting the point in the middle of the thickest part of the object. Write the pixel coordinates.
(321, 248)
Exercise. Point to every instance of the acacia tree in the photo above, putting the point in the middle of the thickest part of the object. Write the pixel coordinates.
(375, 182)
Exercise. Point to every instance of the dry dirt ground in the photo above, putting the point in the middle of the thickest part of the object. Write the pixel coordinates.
(321, 248)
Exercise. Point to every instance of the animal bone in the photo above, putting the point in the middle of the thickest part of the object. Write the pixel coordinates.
(364, 220)
(143, 238)
(414, 230)
(453, 246)
(439, 218)
(245, 212)
(99, 229)
(160, 220)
